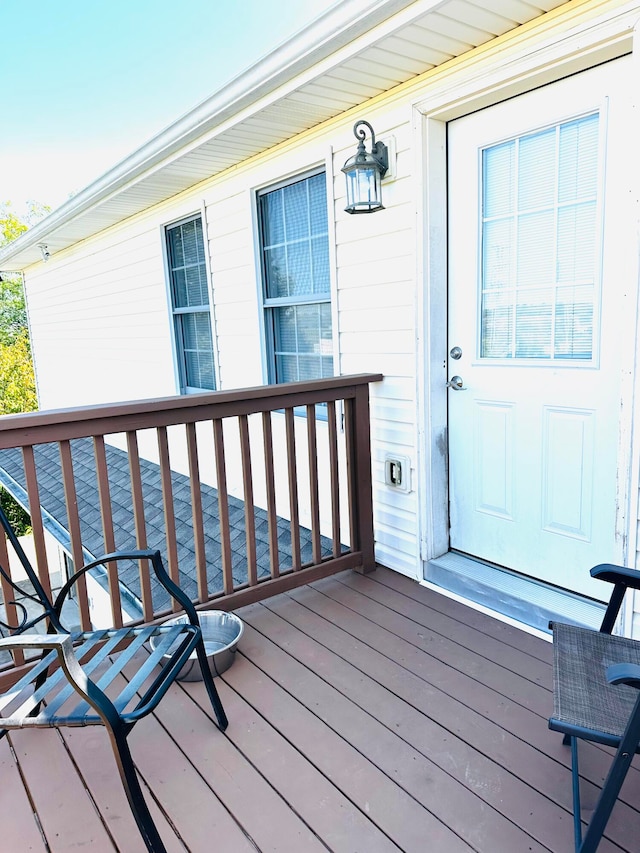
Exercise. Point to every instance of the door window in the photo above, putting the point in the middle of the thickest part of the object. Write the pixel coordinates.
(540, 244)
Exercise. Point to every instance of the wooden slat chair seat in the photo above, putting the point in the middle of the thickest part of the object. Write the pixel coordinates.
(77, 680)
(596, 697)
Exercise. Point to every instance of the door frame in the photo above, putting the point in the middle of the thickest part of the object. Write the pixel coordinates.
(561, 44)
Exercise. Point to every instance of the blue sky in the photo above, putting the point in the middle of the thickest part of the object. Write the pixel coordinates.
(86, 82)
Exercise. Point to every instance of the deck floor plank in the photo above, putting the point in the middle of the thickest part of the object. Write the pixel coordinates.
(456, 806)
(458, 764)
(515, 718)
(183, 794)
(19, 830)
(398, 611)
(391, 808)
(92, 752)
(310, 794)
(506, 633)
(264, 815)
(515, 778)
(435, 724)
(368, 714)
(67, 815)
(419, 646)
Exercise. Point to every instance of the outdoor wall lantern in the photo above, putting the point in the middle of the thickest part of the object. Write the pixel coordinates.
(364, 172)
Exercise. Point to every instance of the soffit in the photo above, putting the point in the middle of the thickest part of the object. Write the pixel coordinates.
(344, 72)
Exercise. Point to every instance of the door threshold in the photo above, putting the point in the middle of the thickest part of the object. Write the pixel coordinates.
(525, 600)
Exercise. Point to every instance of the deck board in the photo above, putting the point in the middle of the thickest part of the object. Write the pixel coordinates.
(367, 713)
(466, 780)
(19, 828)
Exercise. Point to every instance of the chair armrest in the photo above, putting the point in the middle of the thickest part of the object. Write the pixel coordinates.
(617, 574)
(154, 558)
(622, 578)
(37, 641)
(76, 676)
(624, 673)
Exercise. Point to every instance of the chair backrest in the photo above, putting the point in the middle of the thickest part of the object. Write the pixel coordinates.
(37, 597)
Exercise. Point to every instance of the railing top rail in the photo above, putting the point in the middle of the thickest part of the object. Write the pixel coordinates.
(80, 422)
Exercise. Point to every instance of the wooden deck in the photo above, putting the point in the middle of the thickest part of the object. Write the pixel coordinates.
(366, 714)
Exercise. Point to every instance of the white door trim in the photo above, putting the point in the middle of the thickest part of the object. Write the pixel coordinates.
(563, 44)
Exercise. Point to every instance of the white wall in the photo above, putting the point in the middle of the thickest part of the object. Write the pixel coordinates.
(101, 327)
(99, 313)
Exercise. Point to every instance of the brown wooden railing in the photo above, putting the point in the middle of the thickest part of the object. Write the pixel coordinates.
(292, 460)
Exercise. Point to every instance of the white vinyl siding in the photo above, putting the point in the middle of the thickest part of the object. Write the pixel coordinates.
(98, 310)
(99, 321)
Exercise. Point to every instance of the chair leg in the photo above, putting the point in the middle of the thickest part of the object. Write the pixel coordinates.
(132, 789)
(613, 783)
(214, 698)
(575, 785)
(607, 799)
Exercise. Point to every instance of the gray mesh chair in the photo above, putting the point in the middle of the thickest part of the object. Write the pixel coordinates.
(596, 697)
(77, 680)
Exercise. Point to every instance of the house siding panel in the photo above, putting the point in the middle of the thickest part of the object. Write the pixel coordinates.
(99, 322)
(113, 288)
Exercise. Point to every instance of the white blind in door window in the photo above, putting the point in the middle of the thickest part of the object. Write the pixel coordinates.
(539, 243)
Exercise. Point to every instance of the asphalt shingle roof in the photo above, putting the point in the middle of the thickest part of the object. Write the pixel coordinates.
(47, 459)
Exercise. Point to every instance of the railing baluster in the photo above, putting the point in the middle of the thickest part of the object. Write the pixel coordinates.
(249, 512)
(196, 513)
(223, 507)
(352, 494)
(169, 513)
(272, 518)
(8, 595)
(77, 554)
(334, 478)
(293, 490)
(104, 496)
(137, 496)
(37, 528)
(312, 447)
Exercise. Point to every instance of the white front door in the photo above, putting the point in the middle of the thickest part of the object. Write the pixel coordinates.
(535, 187)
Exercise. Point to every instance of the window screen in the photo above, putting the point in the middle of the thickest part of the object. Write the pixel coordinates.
(190, 306)
(539, 244)
(297, 293)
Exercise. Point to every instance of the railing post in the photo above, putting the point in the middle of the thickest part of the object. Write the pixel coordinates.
(361, 491)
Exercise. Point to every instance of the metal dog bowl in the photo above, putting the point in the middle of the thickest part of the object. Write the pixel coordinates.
(221, 633)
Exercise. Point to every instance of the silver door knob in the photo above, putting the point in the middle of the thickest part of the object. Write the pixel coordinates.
(456, 383)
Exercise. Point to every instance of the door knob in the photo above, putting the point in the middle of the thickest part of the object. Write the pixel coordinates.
(456, 384)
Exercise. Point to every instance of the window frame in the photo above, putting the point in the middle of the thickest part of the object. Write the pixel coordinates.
(177, 343)
(268, 305)
(557, 206)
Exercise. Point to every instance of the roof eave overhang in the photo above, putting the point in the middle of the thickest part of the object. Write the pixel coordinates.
(337, 36)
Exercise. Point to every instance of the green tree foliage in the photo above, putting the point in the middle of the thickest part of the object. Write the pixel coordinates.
(17, 381)
(19, 519)
(13, 315)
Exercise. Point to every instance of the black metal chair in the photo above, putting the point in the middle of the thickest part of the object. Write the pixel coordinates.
(596, 697)
(69, 683)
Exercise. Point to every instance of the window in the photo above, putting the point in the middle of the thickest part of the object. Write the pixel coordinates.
(190, 306)
(295, 268)
(540, 244)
